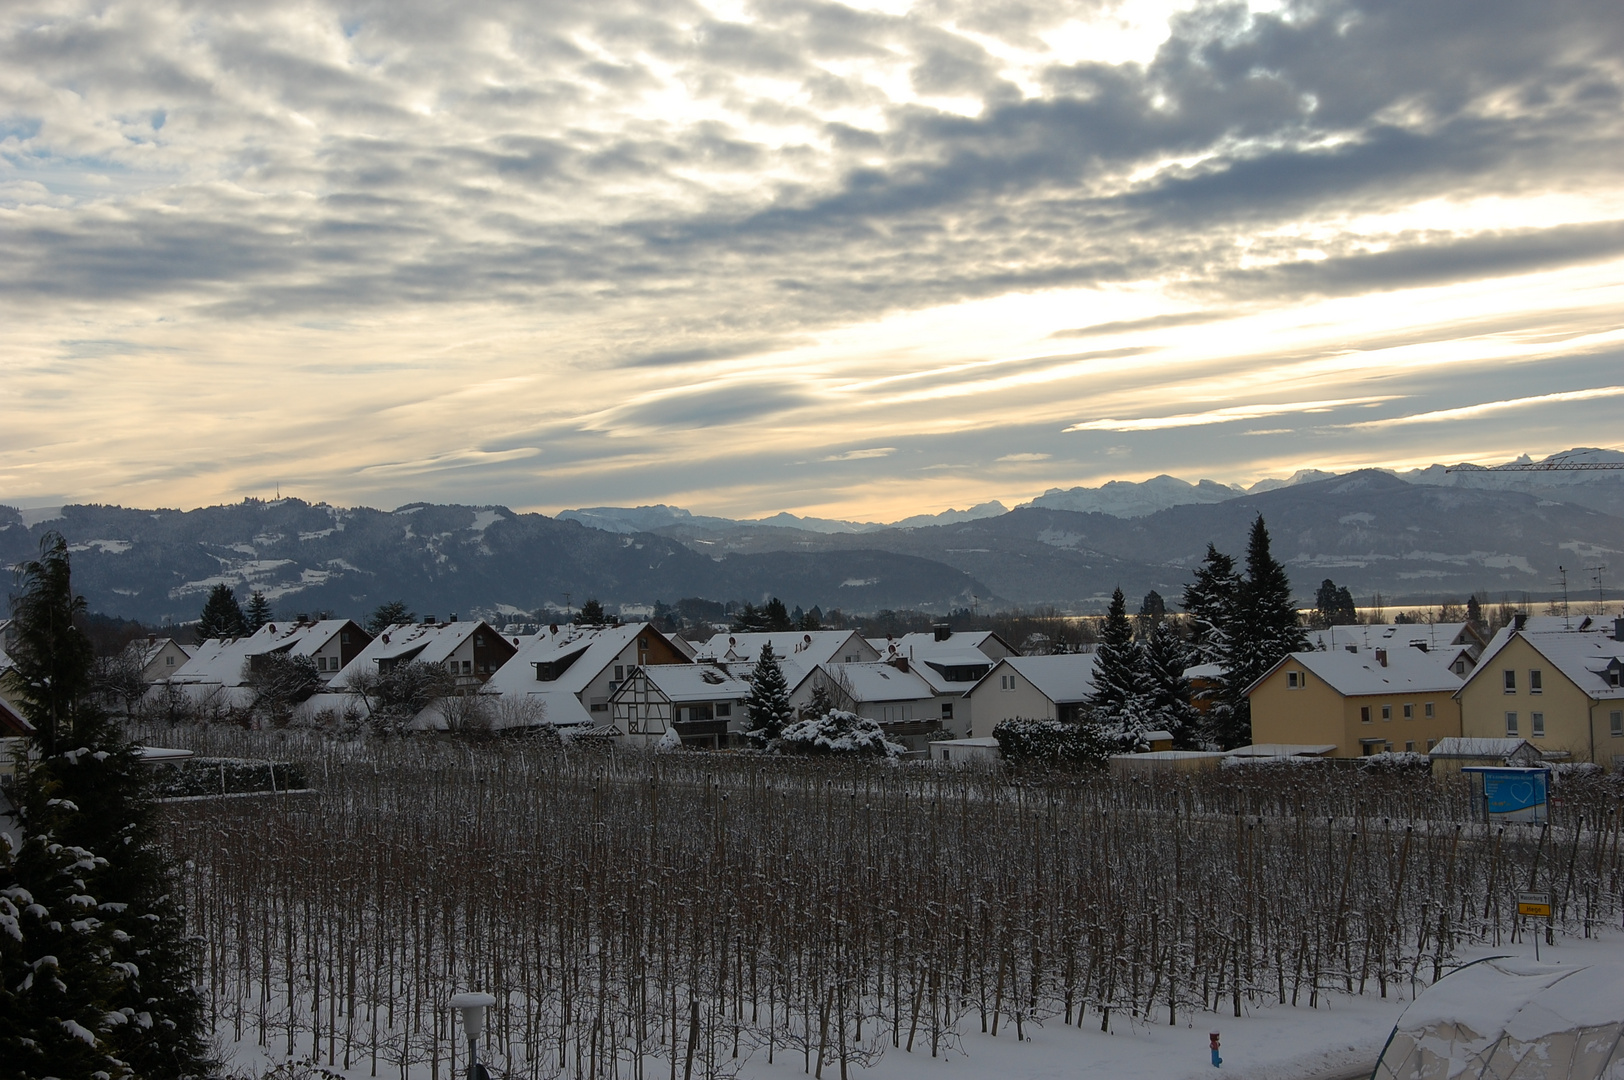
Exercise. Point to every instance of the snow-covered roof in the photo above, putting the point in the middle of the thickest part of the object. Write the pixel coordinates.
(1430, 636)
(935, 665)
(1283, 750)
(1511, 1016)
(925, 646)
(1062, 679)
(1362, 674)
(12, 722)
(1587, 657)
(985, 740)
(579, 653)
(874, 681)
(1458, 747)
(817, 646)
(224, 661)
(696, 682)
(427, 643)
(1204, 671)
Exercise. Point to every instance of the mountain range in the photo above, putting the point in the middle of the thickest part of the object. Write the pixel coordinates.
(1417, 537)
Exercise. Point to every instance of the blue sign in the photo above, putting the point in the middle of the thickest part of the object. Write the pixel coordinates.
(1515, 794)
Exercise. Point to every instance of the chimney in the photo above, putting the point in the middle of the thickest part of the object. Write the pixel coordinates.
(453, 617)
(1381, 657)
(900, 662)
(1519, 620)
(943, 631)
(429, 620)
(1618, 629)
(152, 639)
(301, 618)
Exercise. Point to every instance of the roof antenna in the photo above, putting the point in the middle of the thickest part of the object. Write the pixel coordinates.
(1567, 623)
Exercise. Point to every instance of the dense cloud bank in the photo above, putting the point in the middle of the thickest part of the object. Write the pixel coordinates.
(689, 204)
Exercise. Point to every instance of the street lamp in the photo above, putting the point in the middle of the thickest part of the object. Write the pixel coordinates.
(472, 1005)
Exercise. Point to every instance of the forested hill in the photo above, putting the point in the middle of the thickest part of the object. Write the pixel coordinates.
(1367, 530)
(153, 564)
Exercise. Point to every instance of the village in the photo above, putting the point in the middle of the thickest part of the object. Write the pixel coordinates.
(1541, 689)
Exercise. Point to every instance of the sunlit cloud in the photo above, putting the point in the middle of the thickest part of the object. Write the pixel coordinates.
(1221, 416)
(860, 261)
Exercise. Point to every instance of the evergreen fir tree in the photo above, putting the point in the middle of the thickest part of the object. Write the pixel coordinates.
(591, 613)
(51, 660)
(393, 613)
(776, 617)
(1210, 600)
(812, 620)
(1334, 606)
(768, 705)
(257, 613)
(1264, 631)
(1116, 659)
(96, 973)
(222, 617)
(1165, 691)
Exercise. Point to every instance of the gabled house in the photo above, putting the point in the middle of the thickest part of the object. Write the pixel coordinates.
(470, 652)
(892, 693)
(703, 703)
(1362, 703)
(1561, 689)
(1453, 645)
(157, 658)
(573, 671)
(221, 670)
(807, 648)
(1032, 688)
(951, 663)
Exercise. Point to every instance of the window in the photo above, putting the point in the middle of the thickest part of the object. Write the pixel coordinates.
(620, 672)
(1536, 725)
(1294, 680)
(467, 667)
(1511, 725)
(1428, 709)
(1409, 747)
(344, 637)
(1006, 682)
(947, 710)
(1511, 681)
(1536, 681)
(169, 661)
(1409, 712)
(1430, 744)
(1615, 722)
(724, 708)
(1364, 714)
(1387, 712)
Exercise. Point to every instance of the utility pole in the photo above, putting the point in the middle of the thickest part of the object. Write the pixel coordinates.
(1567, 622)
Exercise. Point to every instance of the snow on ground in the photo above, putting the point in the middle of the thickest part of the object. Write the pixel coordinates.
(1343, 1038)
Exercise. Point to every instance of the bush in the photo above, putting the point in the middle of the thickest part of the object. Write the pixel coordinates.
(1052, 744)
(838, 732)
(228, 776)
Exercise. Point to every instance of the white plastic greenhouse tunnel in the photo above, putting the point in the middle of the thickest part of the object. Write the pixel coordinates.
(1512, 1019)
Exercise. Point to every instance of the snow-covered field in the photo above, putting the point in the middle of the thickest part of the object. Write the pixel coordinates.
(1340, 1040)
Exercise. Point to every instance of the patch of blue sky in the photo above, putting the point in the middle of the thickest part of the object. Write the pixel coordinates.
(75, 177)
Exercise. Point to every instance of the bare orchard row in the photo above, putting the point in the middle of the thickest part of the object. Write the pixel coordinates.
(678, 912)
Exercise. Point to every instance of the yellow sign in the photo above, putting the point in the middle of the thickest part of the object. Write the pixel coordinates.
(1537, 904)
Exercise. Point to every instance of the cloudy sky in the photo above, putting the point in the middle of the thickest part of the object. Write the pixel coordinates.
(859, 260)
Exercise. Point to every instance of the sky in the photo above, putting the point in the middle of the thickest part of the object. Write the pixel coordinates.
(851, 260)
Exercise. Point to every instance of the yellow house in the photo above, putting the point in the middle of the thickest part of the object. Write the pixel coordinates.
(1367, 702)
(1558, 688)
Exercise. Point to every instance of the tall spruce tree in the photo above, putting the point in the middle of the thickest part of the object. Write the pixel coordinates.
(1264, 631)
(1210, 601)
(768, 706)
(1165, 691)
(96, 973)
(222, 616)
(257, 613)
(52, 660)
(1116, 660)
